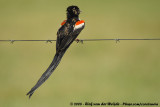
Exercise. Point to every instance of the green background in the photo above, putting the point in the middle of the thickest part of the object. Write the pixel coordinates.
(100, 71)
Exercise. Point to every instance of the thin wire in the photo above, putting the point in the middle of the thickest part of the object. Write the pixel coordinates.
(79, 40)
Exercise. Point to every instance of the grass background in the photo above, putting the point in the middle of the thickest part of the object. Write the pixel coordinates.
(103, 71)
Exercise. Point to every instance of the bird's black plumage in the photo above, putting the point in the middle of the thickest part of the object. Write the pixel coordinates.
(66, 34)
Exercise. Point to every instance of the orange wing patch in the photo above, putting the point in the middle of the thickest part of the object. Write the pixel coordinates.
(63, 22)
(79, 22)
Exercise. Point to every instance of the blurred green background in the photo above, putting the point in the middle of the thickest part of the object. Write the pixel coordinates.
(104, 71)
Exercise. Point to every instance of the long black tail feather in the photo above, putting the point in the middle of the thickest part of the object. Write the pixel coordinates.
(56, 60)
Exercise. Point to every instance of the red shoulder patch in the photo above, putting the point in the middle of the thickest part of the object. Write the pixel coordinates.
(79, 22)
(63, 22)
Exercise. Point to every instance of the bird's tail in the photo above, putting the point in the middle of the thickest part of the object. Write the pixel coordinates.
(48, 72)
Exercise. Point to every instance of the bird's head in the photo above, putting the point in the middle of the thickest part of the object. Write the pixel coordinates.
(73, 11)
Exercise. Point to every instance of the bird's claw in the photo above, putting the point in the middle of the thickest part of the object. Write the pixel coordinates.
(78, 40)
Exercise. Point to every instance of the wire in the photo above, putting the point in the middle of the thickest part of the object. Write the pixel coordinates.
(78, 40)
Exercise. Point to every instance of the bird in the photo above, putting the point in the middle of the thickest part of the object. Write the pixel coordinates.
(67, 33)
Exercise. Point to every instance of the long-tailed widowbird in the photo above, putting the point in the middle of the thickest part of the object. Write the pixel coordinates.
(66, 34)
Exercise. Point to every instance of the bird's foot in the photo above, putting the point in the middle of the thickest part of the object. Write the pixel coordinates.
(78, 40)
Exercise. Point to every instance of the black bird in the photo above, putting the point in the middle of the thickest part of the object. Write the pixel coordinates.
(66, 34)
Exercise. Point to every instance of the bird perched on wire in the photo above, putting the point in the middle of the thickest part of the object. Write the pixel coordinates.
(66, 34)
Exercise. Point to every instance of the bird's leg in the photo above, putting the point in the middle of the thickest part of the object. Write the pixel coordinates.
(77, 40)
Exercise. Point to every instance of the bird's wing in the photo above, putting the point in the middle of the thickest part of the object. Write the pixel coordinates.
(63, 40)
